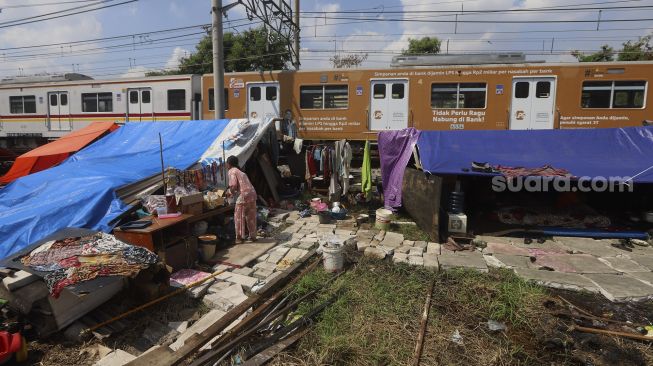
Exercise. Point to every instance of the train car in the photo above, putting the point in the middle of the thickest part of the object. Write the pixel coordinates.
(357, 103)
(34, 110)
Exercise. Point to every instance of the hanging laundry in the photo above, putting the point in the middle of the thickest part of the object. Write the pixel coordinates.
(366, 172)
(346, 156)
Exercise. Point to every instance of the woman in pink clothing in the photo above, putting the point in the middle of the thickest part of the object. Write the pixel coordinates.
(245, 210)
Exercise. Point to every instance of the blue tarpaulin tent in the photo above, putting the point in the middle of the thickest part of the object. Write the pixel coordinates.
(80, 193)
(607, 152)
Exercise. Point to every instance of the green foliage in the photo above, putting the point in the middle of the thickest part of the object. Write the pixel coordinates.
(252, 50)
(605, 54)
(421, 46)
(640, 50)
(348, 61)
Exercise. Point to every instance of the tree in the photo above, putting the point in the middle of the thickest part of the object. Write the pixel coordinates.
(252, 50)
(605, 54)
(424, 45)
(347, 61)
(640, 50)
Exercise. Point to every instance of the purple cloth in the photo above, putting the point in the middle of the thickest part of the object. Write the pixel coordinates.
(395, 148)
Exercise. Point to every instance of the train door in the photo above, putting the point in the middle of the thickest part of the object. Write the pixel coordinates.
(533, 102)
(58, 111)
(139, 105)
(388, 105)
(263, 100)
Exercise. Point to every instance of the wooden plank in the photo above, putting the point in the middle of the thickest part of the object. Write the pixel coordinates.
(270, 352)
(164, 356)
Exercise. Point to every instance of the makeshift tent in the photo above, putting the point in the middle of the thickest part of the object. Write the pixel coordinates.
(80, 193)
(55, 152)
(607, 152)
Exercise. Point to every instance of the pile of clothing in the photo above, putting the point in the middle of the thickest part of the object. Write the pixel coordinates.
(74, 260)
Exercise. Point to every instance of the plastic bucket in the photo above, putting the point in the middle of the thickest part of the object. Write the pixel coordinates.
(207, 245)
(333, 259)
(383, 219)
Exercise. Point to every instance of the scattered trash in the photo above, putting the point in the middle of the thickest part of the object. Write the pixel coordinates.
(457, 338)
(496, 326)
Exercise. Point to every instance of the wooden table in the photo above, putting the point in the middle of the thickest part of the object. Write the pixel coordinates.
(151, 237)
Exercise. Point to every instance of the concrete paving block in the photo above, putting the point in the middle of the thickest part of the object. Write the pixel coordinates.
(218, 286)
(620, 288)
(365, 234)
(646, 277)
(560, 280)
(362, 245)
(246, 281)
(198, 327)
(262, 273)
(19, 279)
(291, 257)
(225, 299)
(245, 271)
(380, 235)
(408, 243)
(374, 252)
(554, 261)
(503, 248)
(387, 250)
(513, 261)
(599, 248)
(643, 260)
(263, 257)
(157, 332)
(585, 263)
(415, 260)
(265, 265)
(116, 358)
(306, 244)
(433, 248)
(221, 267)
(493, 262)
(327, 226)
(496, 239)
(345, 232)
(431, 261)
(473, 260)
(416, 251)
(622, 264)
(400, 258)
(403, 249)
(389, 235)
(178, 326)
(422, 244)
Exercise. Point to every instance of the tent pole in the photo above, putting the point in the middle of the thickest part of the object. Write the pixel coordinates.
(163, 173)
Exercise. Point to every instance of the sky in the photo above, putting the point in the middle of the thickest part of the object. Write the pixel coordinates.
(380, 29)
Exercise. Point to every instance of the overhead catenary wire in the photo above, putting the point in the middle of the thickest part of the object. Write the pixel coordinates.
(45, 4)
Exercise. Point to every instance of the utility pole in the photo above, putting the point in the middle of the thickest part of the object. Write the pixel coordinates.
(218, 59)
(297, 35)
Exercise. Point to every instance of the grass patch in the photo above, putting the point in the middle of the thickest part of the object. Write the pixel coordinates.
(376, 317)
(410, 232)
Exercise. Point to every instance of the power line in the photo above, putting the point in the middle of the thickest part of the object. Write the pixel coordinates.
(63, 15)
(485, 21)
(485, 11)
(45, 4)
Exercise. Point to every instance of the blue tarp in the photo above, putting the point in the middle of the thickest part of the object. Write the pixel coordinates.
(607, 152)
(80, 193)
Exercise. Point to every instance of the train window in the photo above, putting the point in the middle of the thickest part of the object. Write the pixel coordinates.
(336, 96)
(379, 91)
(212, 99)
(444, 95)
(133, 96)
(97, 102)
(471, 95)
(176, 99)
(255, 93)
(63, 99)
(311, 97)
(521, 89)
(145, 96)
(613, 94)
(543, 89)
(398, 91)
(271, 93)
(628, 94)
(53, 99)
(22, 104)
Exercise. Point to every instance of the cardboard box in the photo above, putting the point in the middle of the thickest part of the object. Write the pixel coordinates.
(457, 223)
(192, 204)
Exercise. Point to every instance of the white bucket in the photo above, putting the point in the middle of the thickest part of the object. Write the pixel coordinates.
(383, 218)
(333, 260)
